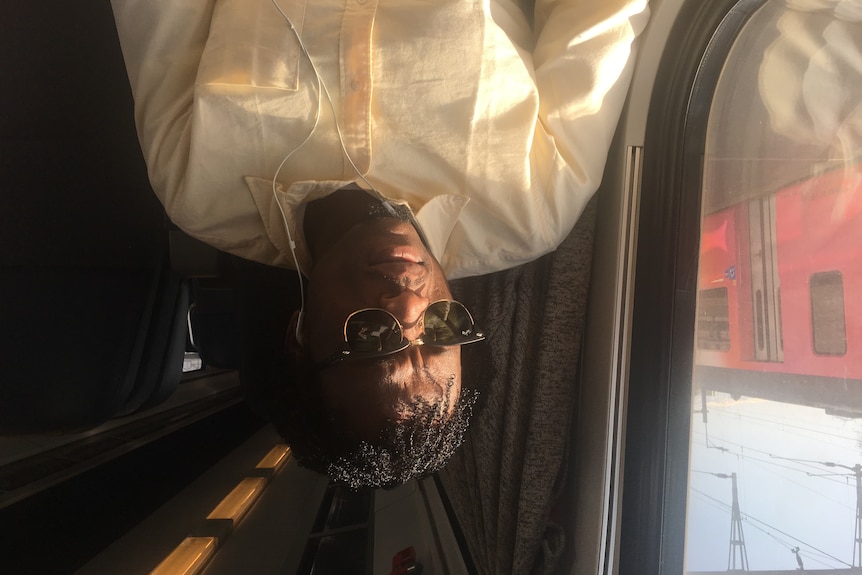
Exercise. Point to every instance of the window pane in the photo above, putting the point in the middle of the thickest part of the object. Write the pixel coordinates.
(713, 319)
(777, 385)
(827, 313)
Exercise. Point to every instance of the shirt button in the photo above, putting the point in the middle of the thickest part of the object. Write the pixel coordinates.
(355, 85)
(362, 1)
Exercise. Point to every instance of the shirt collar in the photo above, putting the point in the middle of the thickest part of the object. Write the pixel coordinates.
(282, 210)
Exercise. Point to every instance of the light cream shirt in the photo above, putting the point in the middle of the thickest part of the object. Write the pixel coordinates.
(493, 132)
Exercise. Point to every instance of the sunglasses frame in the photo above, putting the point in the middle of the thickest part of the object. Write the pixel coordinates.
(346, 351)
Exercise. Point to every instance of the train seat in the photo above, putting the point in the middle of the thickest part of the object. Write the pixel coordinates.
(160, 369)
(213, 320)
(230, 297)
(80, 346)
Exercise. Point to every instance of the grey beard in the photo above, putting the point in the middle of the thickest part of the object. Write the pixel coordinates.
(389, 210)
(399, 212)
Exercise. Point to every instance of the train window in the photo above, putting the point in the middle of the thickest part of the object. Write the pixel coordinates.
(742, 436)
(713, 320)
(828, 326)
(774, 467)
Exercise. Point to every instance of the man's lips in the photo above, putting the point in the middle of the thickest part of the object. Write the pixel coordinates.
(396, 254)
(401, 264)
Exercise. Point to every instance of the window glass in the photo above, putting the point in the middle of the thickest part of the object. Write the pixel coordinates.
(713, 320)
(827, 313)
(775, 471)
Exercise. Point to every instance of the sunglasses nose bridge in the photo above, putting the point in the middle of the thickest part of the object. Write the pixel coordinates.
(408, 308)
(414, 333)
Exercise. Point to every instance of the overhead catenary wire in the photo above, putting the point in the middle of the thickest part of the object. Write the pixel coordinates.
(767, 453)
(757, 523)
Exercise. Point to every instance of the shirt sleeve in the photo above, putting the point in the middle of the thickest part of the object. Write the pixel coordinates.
(162, 43)
(583, 58)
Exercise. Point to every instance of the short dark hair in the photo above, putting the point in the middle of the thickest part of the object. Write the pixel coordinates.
(413, 447)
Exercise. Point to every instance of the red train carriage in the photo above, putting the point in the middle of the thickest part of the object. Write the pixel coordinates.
(780, 294)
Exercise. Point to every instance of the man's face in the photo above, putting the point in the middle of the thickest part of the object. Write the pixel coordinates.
(379, 263)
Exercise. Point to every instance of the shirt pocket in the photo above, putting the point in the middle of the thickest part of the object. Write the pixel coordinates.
(252, 44)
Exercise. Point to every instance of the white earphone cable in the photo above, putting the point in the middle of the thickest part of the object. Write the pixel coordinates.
(321, 89)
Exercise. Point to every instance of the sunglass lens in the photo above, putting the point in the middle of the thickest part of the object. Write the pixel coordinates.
(447, 323)
(373, 331)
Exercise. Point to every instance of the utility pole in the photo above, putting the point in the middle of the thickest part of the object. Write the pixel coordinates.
(857, 532)
(737, 538)
(799, 562)
(737, 555)
(857, 543)
(857, 471)
(705, 416)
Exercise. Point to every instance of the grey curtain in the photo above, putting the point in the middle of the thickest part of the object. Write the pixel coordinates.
(506, 480)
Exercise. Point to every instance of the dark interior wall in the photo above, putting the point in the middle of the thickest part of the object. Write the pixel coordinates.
(87, 308)
(73, 185)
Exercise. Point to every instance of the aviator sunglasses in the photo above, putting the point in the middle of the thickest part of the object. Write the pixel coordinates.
(374, 332)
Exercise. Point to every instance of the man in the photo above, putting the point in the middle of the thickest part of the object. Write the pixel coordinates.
(350, 374)
(381, 147)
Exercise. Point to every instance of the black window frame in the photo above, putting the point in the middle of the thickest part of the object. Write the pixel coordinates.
(655, 476)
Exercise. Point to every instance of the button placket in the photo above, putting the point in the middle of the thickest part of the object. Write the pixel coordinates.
(355, 63)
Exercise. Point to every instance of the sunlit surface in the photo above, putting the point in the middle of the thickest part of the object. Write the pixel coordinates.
(776, 437)
(189, 558)
(193, 554)
(237, 503)
(275, 459)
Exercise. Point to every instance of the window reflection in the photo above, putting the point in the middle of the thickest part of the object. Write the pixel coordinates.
(776, 439)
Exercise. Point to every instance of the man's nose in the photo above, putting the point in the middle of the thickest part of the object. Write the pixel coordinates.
(409, 307)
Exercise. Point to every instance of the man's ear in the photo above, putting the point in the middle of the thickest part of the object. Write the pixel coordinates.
(293, 337)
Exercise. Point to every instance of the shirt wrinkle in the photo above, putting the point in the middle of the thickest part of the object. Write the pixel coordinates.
(440, 105)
